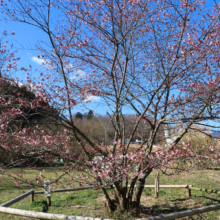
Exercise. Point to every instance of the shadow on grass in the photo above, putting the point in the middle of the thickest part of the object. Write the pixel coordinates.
(45, 208)
(213, 168)
(178, 200)
(161, 210)
(42, 203)
(209, 202)
(167, 209)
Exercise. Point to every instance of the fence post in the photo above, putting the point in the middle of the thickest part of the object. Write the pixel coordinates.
(32, 197)
(156, 188)
(158, 182)
(188, 192)
(47, 191)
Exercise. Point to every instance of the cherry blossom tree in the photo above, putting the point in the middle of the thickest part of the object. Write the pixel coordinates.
(160, 58)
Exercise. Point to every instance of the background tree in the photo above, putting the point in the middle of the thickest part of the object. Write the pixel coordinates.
(158, 58)
(90, 114)
(79, 115)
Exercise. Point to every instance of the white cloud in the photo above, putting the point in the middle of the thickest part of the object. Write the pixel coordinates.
(28, 85)
(92, 98)
(70, 66)
(38, 60)
(77, 74)
(21, 84)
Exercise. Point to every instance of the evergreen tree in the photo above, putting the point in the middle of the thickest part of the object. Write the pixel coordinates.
(79, 115)
(90, 114)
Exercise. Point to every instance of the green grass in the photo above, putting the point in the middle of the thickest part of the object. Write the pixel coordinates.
(91, 202)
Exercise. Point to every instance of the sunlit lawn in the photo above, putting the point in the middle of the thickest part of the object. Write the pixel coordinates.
(91, 202)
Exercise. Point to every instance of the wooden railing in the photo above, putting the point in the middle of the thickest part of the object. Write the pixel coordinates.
(41, 215)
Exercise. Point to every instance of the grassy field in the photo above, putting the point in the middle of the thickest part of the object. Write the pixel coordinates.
(91, 202)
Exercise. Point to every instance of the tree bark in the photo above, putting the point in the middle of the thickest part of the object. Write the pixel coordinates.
(138, 192)
(121, 196)
(126, 199)
(110, 203)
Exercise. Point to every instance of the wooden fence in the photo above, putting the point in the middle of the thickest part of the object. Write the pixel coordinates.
(41, 215)
(182, 214)
(205, 190)
(11, 202)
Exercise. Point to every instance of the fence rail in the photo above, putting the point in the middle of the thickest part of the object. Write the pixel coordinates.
(64, 190)
(206, 190)
(42, 215)
(182, 214)
(89, 187)
(11, 202)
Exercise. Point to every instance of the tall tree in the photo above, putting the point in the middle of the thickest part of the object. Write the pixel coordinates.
(79, 115)
(159, 58)
(90, 114)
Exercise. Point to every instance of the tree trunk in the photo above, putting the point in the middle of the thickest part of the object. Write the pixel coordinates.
(127, 199)
(121, 196)
(138, 192)
(137, 196)
(111, 206)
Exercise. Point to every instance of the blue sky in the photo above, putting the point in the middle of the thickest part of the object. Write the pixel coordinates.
(25, 39)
